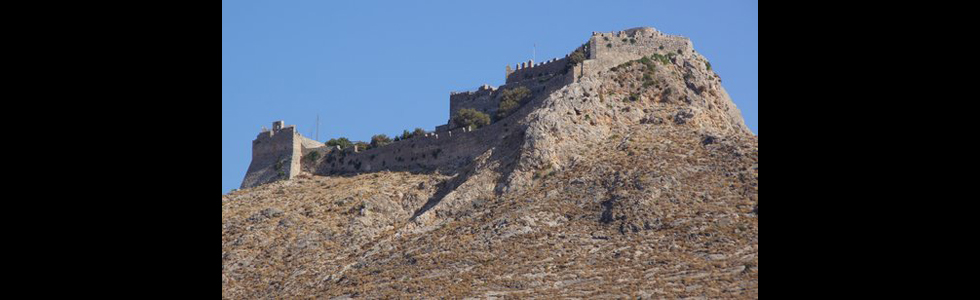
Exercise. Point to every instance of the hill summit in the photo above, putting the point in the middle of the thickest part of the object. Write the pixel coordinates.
(622, 169)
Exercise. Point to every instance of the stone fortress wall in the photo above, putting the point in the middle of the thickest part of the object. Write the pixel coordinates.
(482, 99)
(544, 76)
(487, 98)
(528, 70)
(282, 152)
(446, 148)
(610, 49)
(426, 153)
(443, 149)
(275, 155)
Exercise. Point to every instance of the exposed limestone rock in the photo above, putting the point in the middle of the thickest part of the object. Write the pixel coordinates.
(637, 180)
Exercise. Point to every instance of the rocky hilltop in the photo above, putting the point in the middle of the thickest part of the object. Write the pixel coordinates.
(631, 174)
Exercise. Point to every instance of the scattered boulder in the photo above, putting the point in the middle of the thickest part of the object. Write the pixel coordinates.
(272, 212)
(683, 115)
(265, 214)
(708, 140)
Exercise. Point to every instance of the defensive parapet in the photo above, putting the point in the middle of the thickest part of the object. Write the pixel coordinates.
(281, 153)
(276, 154)
(528, 70)
(481, 99)
(609, 49)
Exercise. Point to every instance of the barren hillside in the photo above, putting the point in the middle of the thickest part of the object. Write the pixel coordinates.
(637, 181)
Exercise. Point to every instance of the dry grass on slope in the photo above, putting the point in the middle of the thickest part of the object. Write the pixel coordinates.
(282, 238)
(651, 218)
(642, 190)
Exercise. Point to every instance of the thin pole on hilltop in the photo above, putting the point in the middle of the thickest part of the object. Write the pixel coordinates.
(317, 127)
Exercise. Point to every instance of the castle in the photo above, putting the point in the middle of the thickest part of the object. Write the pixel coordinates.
(282, 153)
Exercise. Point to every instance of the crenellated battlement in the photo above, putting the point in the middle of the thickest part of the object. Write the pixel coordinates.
(483, 89)
(482, 99)
(609, 49)
(529, 70)
(276, 154)
(279, 153)
(635, 32)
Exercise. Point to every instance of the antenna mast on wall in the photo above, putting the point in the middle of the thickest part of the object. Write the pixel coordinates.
(534, 52)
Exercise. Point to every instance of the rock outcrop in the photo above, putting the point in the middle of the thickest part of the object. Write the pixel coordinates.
(640, 180)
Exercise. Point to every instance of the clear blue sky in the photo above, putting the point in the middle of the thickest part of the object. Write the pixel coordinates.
(370, 67)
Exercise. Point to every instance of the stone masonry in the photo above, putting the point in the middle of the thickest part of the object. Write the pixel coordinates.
(276, 154)
(279, 153)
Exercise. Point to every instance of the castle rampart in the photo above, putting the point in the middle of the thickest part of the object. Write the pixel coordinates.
(610, 49)
(553, 75)
(446, 148)
(276, 154)
(281, 153)
(424, 153)
(529, 71)
(482, 99)
(437, 151)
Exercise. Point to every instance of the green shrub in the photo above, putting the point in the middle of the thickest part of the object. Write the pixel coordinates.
(470, 117)
(645, 60)
(707, 63)
(418, 132)
(361, 146)
(505, 109)
(648, 74)
(662, 59)
(544, 173)
(632, 41)
(406, 135)
(343, 142)
(575, 58)
(609, 45)
(510, 100)
(379, 140)
(313, 156)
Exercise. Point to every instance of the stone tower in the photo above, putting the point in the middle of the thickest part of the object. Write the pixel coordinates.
(276, 155)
